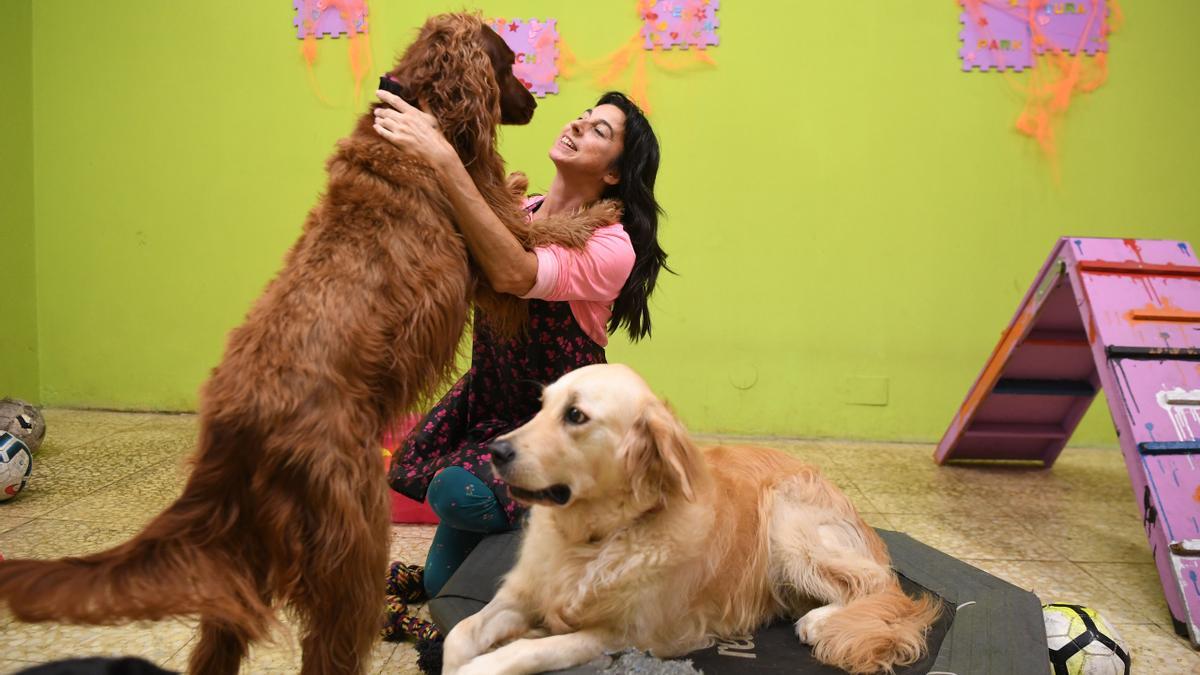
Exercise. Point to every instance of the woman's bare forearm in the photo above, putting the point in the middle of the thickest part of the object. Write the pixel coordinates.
(508, 266)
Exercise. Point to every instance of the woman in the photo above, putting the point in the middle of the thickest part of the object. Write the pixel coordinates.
(576, 297)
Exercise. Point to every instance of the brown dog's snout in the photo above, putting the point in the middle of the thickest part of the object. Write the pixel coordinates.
(502, 451)
(517, 103)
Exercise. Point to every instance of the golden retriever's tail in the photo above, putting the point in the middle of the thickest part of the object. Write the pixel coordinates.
(170, 569)
(873, 633)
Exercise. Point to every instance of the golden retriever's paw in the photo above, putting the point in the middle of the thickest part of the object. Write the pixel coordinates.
(808, 628)
(484, 665)
(454, 654)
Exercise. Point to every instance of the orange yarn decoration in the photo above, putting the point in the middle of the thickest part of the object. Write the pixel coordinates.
(633, 58)
(1058, 75)
(358, 49)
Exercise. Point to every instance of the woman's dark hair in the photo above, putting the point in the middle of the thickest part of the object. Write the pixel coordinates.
(637, 168)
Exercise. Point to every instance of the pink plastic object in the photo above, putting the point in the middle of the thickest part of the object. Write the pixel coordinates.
(535, 46)
(323, 18)
(1122, 314)
(995, 35)
(679, 23)
(405, 510)
(999, 34)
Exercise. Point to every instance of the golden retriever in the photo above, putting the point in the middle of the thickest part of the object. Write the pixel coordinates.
(636, 538)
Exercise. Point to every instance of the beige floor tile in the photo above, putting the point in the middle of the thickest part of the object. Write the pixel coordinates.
(44, 538)
(70, 428)
(39, 498)
(173, 420)
(1063, 581)
(383, 656)
(871, 458)
(404, 661)
(976, 536)
(805, 452)
(7, 523)
(1036, 507)
(878, 520)
(1137, 584)
(61, 477)
(137, 448)
(1094, 533)
(284, 655)
(132, 500)
(907, 479)
(841, 479)
(945, 499)
(178, 661)
(98, 417)
(410, 543)
(155, 642)
(1155, 650)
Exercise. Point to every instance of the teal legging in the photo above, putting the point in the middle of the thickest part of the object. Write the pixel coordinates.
(467, 510)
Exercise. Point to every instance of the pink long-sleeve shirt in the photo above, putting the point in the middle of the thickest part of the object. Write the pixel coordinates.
(589, 278)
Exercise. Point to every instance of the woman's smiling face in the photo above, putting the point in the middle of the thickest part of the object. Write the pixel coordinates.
(591, 144)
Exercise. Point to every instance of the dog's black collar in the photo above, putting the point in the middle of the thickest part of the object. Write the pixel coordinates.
(388, 84)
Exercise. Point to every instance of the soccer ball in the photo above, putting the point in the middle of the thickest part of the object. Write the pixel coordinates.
(1082, 643)
(23, 421)
(16, 463)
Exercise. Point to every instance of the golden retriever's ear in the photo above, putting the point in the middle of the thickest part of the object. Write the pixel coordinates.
(660, 456)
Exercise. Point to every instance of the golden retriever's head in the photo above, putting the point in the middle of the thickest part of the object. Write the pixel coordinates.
(601, 435)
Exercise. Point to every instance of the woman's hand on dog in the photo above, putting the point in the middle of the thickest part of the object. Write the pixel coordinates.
(412, 129)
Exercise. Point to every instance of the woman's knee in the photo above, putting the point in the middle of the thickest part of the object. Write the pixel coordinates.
(462, 500)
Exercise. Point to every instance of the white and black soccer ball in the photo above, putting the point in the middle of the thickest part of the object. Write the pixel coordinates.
(1081, 642)
(16, 464)
(23, 421)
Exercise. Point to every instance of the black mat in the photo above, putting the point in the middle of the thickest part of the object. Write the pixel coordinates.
(988, 626)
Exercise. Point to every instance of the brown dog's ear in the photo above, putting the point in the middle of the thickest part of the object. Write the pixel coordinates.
(660, 456)
(449, 70)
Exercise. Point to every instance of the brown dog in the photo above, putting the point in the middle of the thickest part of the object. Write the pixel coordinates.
(636, 538)
(286, 504)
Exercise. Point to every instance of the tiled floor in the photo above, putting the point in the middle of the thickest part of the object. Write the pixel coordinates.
(1069, 534)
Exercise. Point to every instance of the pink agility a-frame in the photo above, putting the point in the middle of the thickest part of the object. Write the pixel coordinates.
(1122, 314)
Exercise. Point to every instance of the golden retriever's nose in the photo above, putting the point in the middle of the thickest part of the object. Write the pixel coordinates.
(502, 451)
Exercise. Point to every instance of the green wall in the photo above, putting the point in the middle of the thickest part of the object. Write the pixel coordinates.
(844, 206)
(18, 339)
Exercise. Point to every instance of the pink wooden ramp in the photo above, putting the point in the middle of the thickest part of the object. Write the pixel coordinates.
(1122, 314)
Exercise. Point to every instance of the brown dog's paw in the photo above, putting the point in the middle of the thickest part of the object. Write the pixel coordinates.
(605, 212)
(518, 184)
(575, 229)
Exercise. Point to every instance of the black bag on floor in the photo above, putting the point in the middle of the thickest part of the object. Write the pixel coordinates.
(97, 666)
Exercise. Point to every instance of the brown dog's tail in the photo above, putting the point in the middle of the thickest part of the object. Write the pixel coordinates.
(877, 632)
(169, 569)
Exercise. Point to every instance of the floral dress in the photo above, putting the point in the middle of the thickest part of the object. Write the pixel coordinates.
(499, 393)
